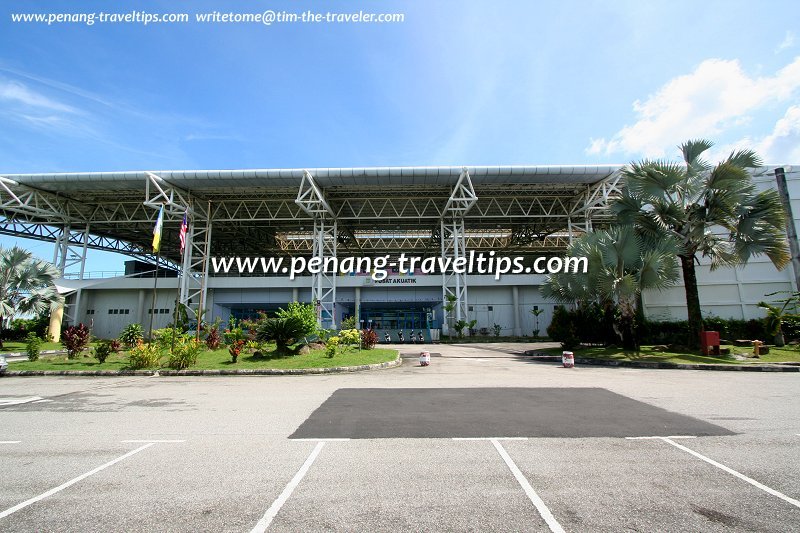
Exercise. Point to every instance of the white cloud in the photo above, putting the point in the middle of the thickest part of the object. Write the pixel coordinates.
(716, 96)
(17, 93)
(788, 42)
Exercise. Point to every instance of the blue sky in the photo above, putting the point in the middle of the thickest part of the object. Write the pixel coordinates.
(456, 83)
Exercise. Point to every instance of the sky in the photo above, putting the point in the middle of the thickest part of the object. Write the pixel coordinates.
(455, 83)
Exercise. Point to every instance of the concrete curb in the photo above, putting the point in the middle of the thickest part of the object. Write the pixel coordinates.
(538, 356)
(217, 372)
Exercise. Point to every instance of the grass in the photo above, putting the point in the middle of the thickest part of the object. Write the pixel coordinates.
(19, 346)
(786, 354)
(218, 359)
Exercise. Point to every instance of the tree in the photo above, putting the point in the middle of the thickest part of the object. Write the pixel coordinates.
(621, 264)
(712, 212)
(27, 285)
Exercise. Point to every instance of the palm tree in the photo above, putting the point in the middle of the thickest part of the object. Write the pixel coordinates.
(621, 263)
(713, 212)
(27, 284)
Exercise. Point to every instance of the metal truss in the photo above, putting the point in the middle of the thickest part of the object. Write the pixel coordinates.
(49, 233)
(325, 242)
(197, 253)
(597, 198)
(453, 243)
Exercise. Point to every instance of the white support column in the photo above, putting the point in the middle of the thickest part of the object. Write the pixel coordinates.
(357, 307)
(453, 243)
(515, 310)
(325, 240)
(197, 253)
(69, 257)
(295, 294)
(140, 307)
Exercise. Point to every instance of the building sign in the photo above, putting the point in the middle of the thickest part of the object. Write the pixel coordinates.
(395, 281)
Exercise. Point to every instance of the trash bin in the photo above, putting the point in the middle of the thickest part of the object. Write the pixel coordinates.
(709, 342)
(424, 358)
(568, 359)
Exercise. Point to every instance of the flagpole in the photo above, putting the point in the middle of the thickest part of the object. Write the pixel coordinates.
(157, 247)
(155, 287)
(184, 223)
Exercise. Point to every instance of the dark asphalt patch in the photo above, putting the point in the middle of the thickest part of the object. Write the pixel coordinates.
(493, 412)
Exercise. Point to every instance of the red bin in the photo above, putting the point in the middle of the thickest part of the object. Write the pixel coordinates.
(709, 342)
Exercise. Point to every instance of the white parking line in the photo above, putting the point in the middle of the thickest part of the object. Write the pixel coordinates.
(10, 441)
(72, 481)
(18, 401)
(733, 472)
(319, 440)
(545, 513)
(266, 520)
(658, 438)
(490, 438)
(152, 441)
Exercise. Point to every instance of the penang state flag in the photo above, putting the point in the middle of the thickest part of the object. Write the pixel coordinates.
(184, 227)
(157, 230)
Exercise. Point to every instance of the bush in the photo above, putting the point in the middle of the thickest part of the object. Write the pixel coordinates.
(33, 345)
(115, 345)
(562, 328)
(349, 336)
(368, 339)
(164, 337)
(131, 335)
(144, 356)
(102, 351)
(459, 327)
(185, 353)
(496, 329)
(283, 330)
(331, 346)
(305, 314)
(213, 338)
(75, 339)
(349, 323)
(236, 348)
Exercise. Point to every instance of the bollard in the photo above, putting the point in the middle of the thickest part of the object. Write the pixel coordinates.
(424, 358)
(568, 359)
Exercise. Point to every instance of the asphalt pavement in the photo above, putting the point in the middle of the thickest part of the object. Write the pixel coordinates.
(482, 439)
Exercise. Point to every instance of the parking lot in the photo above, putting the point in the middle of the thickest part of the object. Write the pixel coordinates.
(480, 440)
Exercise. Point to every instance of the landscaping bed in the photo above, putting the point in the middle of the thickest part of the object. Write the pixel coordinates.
(787, 354)
(217, 360)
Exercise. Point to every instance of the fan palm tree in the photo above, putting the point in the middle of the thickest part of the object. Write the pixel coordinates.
(621, 264)
(27, 284)
(712, 212)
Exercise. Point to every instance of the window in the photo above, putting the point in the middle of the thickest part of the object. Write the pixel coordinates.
(471, 309)
(490, 308)
(90, 311)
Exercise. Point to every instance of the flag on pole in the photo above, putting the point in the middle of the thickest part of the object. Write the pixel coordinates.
(157, 230)
(184, 228)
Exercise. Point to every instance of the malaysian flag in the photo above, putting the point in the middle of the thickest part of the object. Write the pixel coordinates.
(184, 227)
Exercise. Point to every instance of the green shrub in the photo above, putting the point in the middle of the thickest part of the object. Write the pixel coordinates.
(33, 346)
(131, 335)
(368, 339)
(349, 323)
(331, 346)
(75, 339)
(283, 330)
(496, 329)
(459, 327)
(163, 338)
(184, 354)
(562, 328)
(349, 336)
(305, 314)
(144, 356)
(103, 350)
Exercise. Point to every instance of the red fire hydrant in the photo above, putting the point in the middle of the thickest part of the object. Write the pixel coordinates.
(568, 359)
